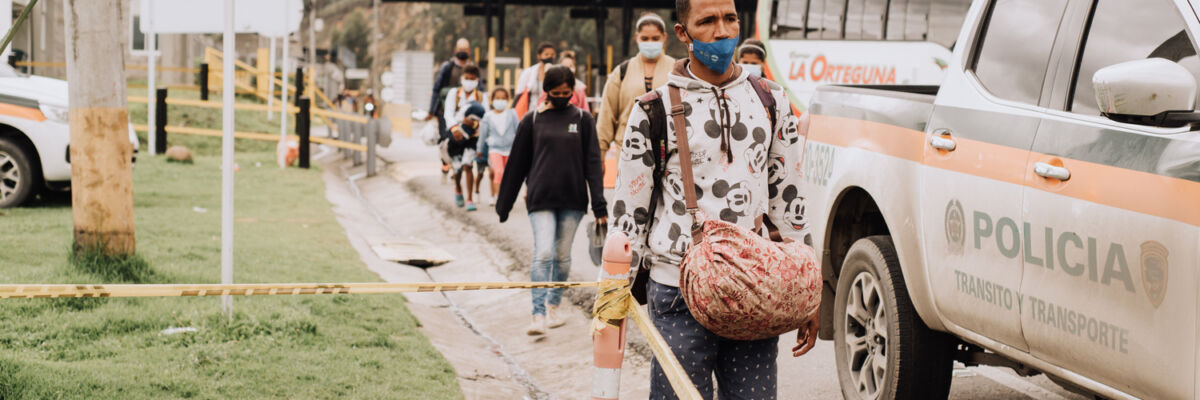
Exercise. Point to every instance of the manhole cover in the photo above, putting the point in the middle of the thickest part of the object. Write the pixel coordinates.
(414, 253)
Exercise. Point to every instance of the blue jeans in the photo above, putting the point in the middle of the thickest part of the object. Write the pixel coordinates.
(553, 233)
(744, 370)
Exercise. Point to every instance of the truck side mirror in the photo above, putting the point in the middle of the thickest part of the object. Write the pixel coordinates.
(1154, 92)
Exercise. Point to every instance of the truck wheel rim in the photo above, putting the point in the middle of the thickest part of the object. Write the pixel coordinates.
(10, 176)
(866, 335)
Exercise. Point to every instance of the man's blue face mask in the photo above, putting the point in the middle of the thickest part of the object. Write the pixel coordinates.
(717, 56)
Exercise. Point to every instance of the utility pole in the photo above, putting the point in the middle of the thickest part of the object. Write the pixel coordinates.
(375, 43)
(151, 87)
(101, 155)
(227, 123)
(312, 50)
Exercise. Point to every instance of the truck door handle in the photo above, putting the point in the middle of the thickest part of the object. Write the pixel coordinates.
(1050, 171)
(941, 140)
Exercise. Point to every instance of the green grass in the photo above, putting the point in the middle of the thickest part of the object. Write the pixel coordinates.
(356, 346)
(210, 118)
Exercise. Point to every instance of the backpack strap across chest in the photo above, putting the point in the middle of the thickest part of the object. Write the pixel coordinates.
(656, 115)
(762, 88)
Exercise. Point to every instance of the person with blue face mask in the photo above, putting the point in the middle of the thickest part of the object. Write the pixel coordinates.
(632, 78)
(743, 153)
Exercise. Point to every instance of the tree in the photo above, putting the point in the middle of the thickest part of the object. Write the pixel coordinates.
(356, 36)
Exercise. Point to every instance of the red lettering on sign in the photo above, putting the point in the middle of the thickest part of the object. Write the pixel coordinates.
(818, 76)
(821, 70)
(796, 73)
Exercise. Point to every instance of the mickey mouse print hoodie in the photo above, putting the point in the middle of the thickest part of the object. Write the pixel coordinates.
(757, 171)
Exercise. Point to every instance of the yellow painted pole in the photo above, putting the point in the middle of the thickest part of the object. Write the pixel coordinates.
(525, 64)
(263, 77)
(609, 59)
(491, 69)
(508, 73)
(476, 55)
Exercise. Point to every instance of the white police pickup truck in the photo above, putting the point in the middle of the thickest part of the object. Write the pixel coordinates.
(34, 136)
(1039, 210)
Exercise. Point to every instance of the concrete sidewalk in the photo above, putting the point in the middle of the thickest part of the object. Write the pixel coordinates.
(812, 376)
(481, 333)
(417, 165)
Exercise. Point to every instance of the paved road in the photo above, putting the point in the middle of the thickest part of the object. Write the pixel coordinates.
(810, 377)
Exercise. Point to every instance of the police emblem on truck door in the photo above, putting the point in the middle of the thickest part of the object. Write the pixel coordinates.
(956, 227)
(1154, 271)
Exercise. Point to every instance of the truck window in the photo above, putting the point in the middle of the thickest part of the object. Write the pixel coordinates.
(1123, 31)
(1014, 48)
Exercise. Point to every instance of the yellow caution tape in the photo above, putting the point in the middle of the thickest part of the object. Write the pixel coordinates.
(684, 388)
(263, 289)
(612, 304)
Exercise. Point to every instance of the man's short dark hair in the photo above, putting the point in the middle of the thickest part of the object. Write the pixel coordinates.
(682, 7)
(545, 45)
(471, 69)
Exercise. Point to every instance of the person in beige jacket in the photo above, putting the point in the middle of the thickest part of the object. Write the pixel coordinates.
(641, 74)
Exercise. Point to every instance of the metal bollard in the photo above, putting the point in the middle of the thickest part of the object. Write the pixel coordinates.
(299, 84)
(204, 81)
(160, 122)
(372, 140)
(303, 122)
(356, 156)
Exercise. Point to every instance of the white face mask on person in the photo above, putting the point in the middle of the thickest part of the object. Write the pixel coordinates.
(499, 104)
(650, 50)
(753, 69)
(470, 84)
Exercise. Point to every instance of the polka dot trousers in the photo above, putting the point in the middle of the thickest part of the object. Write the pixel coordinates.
(742, 369)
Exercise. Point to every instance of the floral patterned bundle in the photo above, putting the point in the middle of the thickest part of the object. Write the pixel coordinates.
(743, 286)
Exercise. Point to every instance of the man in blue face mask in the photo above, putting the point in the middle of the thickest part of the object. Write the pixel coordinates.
(710, 29)
(744, 149)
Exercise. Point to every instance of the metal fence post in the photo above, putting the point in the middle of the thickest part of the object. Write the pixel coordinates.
(303, 120)
(160, 121)
(204, 81)
(299, 84)
(355, 155)
(372, 140)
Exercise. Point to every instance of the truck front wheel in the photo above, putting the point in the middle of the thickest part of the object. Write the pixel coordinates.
(883, 349)
(18, 180)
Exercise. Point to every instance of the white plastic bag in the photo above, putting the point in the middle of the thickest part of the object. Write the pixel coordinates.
(429, 134)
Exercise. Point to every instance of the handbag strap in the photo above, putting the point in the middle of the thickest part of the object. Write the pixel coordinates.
(685, 161)
(685, 154)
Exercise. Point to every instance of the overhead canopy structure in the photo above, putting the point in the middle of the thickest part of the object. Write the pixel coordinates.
(583, 9)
